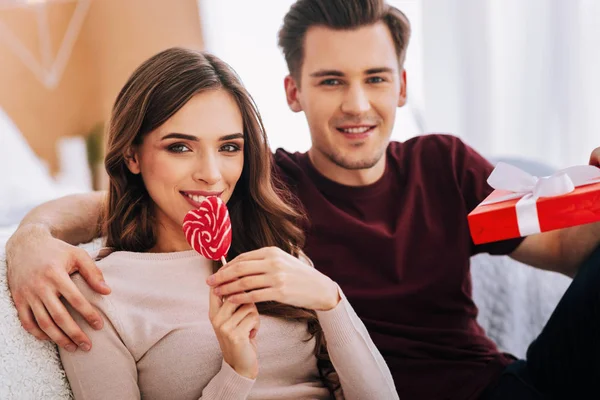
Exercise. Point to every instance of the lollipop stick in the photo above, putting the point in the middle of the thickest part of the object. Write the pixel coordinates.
(224, 261)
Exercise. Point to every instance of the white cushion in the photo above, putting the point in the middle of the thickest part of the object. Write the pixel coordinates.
(24, 179)
(29, 368)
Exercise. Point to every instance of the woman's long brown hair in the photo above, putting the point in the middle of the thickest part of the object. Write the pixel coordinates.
(260, 208)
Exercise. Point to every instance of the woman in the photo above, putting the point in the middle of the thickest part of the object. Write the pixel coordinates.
(183, 128)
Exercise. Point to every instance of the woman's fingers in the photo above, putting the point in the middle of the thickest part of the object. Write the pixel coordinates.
(214, 304)
(239, 315)
(250, 323)
(236, 270)
(246, 284)
(256, 296)
(225, 310)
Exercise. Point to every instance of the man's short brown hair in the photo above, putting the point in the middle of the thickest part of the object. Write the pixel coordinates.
(342, 15)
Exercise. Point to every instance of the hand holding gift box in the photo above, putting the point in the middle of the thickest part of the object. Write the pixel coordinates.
(523, 204)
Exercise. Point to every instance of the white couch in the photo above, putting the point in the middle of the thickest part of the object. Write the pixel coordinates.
(514, 303)
(514, 300)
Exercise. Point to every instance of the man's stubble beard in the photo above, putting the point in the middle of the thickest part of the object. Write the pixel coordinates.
(342, 162)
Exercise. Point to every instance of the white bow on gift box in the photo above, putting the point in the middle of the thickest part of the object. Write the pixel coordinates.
(530, 188)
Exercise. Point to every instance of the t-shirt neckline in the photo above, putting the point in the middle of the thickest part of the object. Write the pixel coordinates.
(336, 189)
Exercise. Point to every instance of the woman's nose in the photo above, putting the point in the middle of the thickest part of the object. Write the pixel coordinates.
(207, 170)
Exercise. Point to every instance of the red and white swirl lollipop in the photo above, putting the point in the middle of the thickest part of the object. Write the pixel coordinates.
(208, 229)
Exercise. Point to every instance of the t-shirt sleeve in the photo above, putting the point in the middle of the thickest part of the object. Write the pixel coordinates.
(108, 370)
(472, 172)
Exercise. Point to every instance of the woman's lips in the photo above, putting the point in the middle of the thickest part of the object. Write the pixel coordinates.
(195, 197)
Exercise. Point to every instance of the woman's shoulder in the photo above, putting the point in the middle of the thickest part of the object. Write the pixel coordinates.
(131, 278)
(135, 274)
(107, 260)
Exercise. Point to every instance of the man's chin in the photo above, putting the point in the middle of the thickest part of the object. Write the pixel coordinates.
(354, 162)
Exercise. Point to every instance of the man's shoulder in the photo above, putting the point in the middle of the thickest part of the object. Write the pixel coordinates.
(435, 151)
(424, 145)
(290, 167)
(283, 157)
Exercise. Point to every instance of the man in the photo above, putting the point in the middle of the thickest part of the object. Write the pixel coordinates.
(388, 223)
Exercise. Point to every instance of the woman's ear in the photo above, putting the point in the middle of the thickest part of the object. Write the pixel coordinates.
(132, 160)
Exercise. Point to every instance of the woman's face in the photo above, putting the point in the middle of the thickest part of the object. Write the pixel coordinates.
(196, 153)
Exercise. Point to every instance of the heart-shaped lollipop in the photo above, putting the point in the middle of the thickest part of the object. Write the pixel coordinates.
(208, 229)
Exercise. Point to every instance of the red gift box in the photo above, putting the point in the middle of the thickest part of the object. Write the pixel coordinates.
(522, 204)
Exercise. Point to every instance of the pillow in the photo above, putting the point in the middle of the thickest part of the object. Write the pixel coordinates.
(24, 181)
(29, 368)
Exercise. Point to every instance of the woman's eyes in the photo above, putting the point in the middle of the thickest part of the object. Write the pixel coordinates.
(182, 148)
(230, 148)
(178, 148)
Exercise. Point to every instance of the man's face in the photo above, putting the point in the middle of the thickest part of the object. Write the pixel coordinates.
(351, 85)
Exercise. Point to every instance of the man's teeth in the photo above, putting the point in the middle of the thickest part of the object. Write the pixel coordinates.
(362, 129)
(197, 199)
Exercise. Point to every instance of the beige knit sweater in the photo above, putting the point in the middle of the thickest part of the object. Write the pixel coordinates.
(158, 343)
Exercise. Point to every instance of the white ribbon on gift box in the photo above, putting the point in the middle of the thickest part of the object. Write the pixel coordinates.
(530, 188)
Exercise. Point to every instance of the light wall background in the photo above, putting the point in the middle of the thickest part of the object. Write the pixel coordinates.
(244, 33)
(512, 78)
(115, 37)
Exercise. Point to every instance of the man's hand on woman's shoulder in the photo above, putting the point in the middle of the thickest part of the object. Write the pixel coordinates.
(39, 268)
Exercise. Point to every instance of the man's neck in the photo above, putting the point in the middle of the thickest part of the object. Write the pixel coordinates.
(344, 176)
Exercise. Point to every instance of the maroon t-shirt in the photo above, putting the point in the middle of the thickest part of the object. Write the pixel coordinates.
(400, 250)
